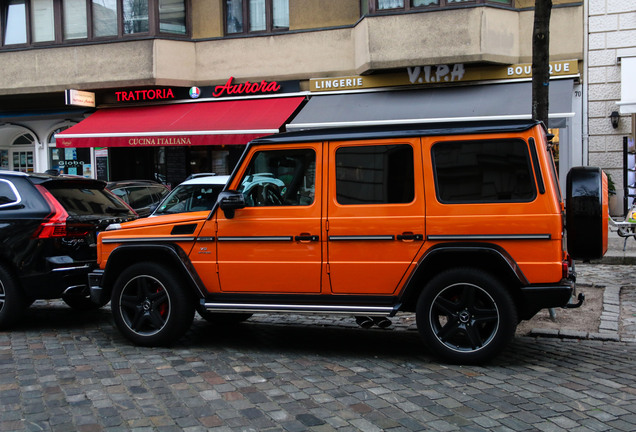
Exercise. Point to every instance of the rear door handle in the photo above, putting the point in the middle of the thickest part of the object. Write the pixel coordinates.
(410, 236)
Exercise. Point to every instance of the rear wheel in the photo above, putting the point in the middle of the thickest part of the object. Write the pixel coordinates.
(466, 316)
(12, 301)
(151, 306)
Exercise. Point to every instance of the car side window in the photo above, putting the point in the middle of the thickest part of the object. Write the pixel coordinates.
(376, 174)
(484, 171)
(123, 194)
(8, 194)
(140, 197)
(280, 178)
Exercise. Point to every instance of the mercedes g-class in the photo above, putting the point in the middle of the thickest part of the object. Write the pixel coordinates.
(462, 224)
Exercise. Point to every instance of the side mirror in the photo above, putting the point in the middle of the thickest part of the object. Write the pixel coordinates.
(231, 200)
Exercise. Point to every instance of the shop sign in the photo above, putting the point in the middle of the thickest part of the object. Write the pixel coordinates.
(159, 141)
(436, 74)
(230, 89)
(70, 163)
(79, 98)
(144, 95)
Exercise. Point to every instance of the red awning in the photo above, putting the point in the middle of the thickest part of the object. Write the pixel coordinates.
(203, 123)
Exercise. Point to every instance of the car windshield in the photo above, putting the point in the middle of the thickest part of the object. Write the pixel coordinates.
(190, 198)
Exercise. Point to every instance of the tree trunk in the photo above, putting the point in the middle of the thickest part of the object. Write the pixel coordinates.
(541, 60)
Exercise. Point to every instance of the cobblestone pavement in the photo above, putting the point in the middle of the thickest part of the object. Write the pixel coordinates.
(619, 310)
(62, 370)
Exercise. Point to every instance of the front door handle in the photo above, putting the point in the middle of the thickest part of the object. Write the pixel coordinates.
(306, 238)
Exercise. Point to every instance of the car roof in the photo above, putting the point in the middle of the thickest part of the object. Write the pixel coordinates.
(210, 179)
(397, 130)
(41, 178)
(123, 183)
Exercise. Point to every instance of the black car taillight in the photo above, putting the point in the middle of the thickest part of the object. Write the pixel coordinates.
(54, 225)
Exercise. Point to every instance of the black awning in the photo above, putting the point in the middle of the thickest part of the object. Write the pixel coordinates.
(462, 103)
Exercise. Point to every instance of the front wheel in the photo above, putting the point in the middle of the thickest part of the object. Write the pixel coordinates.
(151, 306)
(466, 316)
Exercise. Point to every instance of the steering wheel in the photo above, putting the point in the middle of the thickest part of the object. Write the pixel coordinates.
(271, 195)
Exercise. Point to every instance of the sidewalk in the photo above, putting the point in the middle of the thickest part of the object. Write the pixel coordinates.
(619, 251)
(618, 315)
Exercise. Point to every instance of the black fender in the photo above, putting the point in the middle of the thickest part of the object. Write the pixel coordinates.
(168, 254)
(486, 256)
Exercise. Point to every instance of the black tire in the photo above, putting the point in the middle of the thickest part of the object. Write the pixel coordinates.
(466, 316)
(223, 317)
(151, 306)
(12, 301)
(586, 213)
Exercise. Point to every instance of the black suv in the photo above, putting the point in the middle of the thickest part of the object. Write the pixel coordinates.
(48, 227)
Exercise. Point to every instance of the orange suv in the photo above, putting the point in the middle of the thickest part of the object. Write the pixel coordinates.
(462, 224)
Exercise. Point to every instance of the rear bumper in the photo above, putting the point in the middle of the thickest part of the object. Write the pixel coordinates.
(97, 293)
(537, 297)
(56, 280)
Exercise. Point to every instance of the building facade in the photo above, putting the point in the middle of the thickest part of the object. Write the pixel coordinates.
(611, 94)
(218, 66)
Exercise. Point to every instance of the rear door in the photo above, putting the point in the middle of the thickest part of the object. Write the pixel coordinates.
(375, 214)
(273, 245)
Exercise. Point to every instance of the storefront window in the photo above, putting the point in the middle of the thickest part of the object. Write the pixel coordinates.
(4, 159)
(21, 153)
(555, 146)
(73, 161)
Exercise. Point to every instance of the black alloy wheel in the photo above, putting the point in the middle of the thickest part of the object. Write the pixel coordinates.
(151, 306)
(466, 316)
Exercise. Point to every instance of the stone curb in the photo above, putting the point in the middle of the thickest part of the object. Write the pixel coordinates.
(608, 328)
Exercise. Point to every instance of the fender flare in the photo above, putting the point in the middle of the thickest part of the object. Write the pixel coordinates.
(441, 256)
(168, 253)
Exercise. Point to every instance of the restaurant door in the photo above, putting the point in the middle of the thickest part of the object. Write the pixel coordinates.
(130, 163)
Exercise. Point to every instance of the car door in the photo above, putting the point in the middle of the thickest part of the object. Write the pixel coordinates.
(375, 214)
(273, 244)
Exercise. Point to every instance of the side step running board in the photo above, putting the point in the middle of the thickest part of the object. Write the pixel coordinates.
(302, 308)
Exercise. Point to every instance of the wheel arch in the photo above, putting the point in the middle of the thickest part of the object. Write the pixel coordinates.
(482, 256)
(169, 255)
